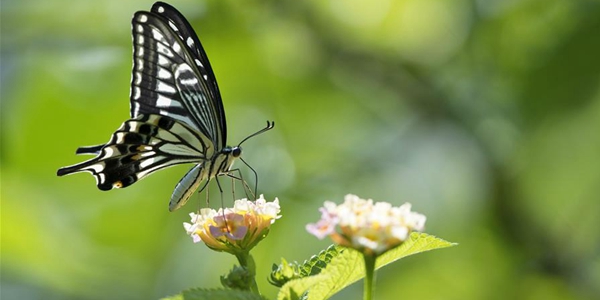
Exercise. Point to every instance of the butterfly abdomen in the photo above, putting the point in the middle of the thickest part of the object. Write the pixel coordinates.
(220, 164)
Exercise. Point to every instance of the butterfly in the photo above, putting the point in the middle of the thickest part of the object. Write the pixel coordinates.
(176, 110)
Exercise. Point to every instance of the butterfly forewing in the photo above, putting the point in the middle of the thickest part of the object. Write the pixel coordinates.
(186, 33)
(163, 64)
(152, 82)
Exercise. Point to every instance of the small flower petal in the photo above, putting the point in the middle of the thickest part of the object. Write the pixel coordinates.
(321, 229)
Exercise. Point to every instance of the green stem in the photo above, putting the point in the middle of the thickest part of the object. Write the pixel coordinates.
(369, 276)
(246, 261)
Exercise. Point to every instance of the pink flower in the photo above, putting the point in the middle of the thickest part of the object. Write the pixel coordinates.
(236, 229)
(372, 228)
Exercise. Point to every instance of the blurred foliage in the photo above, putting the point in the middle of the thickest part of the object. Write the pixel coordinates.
(333, 269)
(484, 114)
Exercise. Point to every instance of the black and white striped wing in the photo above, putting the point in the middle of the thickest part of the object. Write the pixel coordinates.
(140, 147)
(176, 110)
(186, 33)
(172, 75)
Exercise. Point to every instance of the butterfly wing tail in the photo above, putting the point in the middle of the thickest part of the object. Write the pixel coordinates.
(93, 150)
(115, 166)
(80, 167)
(104, 179)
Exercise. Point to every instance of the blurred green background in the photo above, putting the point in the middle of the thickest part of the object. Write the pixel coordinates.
(485, 115)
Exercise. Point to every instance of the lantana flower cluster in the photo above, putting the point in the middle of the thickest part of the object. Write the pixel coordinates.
(236, 229)
(369, 227)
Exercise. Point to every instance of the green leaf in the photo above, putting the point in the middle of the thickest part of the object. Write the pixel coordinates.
(315, 264)
(417, 243)
(215, 294)
(347, 267)
(288, 271)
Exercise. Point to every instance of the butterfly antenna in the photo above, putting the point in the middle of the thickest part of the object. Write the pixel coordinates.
(270, 125)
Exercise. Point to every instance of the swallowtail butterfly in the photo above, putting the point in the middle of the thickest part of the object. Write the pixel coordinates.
(177, 114)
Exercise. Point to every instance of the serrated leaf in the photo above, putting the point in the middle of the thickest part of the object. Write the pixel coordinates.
(316, 263)
(286, 272)
(347, 267)
(215, 294)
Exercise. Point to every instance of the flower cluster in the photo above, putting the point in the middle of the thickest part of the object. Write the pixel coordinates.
(371, 228)
(236, 229)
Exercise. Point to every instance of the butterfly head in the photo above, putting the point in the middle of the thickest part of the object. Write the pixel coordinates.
(233, 152)
(236, 151)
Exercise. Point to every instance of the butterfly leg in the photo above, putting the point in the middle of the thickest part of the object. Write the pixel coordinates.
(222, 203)
(206, 186)
(255, 176)
(240, 177)
(220, 190)
(232, 186)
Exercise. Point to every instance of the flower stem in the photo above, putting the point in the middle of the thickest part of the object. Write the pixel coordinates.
(369, 275)
(246, 261)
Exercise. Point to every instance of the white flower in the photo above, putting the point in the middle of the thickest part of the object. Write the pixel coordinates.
(366, 226)
(234, 229)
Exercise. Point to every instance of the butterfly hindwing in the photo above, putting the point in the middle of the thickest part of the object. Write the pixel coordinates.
(140, 147)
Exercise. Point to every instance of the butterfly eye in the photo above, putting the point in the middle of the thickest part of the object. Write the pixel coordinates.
(236, 152)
